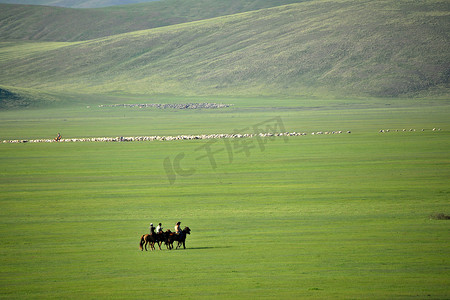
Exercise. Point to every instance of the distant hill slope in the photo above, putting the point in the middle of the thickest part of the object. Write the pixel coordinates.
(75, 3)
(8, 98)
(65, 24)
(384, 48)
(11, 97)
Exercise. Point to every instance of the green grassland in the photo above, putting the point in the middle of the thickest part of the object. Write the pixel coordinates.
(332, 216)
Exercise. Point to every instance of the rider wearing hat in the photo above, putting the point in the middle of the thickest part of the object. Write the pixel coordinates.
(152, 229)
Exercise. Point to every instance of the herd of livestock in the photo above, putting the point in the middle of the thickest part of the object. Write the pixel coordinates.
(172, 105)
(196, 137)
(171, 138)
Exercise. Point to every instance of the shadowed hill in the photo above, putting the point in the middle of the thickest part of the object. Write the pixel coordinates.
(11, 97)
(8, 98)
(44, 23)
(383, 48)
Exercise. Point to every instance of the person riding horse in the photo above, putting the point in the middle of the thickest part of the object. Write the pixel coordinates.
(152, 229)
(167, 237)
(159, 228)
(178, 228)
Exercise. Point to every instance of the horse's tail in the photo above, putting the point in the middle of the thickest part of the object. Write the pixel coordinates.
(141, 242)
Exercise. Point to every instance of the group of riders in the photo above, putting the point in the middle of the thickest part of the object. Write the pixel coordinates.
(158, 236)
(159, 229)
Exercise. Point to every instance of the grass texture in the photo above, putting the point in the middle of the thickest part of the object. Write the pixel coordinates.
(63, 24)
(312, 217)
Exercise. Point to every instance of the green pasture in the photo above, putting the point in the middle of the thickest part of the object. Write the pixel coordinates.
(81, 116)
(342, 216)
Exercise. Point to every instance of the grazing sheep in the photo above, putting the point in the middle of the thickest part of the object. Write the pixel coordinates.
(172, 138)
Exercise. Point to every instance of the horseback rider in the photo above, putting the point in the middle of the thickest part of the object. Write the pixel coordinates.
(159, 228)
(178, 228)
(152, 229)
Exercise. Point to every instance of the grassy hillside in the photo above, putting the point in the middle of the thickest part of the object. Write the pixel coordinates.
(75, 3)
(12, 97)
(372, 48)
(62, 24)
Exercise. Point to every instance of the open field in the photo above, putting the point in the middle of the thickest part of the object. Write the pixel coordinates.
(301, 115)
(323, 216)
(337, 216)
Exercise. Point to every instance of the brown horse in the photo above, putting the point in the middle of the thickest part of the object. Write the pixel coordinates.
(156, 238)
(166, 241)
(180, 238)
(147, 239)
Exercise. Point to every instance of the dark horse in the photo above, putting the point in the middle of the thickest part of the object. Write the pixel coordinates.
(156, 238)
(180, 238)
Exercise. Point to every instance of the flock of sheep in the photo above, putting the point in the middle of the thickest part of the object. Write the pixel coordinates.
(172, 138)
(411, 129)
(172, 105)
(193, 137)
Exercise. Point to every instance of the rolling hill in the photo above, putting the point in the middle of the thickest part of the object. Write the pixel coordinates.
(63, 24)
(75, 3)
(329, 48)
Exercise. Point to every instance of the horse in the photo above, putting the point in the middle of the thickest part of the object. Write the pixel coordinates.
(156, 238)
(166, 240)
(147, 239)
(180, 238)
